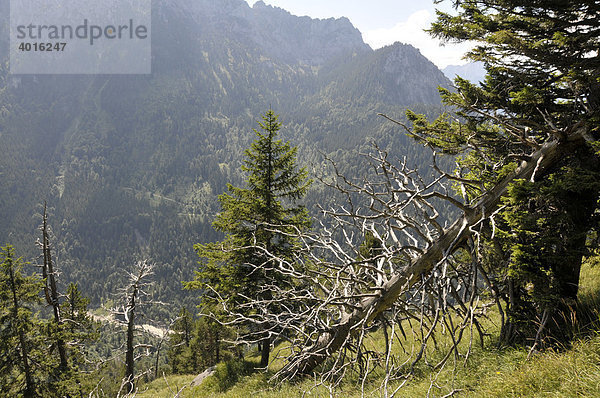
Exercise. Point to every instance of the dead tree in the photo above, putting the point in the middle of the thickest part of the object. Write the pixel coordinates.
(413, 284)
(135, 295)
(51, 290)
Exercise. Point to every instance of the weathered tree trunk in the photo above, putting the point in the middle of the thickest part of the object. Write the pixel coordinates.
(129, 353)
(265, 352)
(51, 292)
(581, 202)
(453, 237)
(134, 300)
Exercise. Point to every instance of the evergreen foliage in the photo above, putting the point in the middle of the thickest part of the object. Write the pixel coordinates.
(22, 367)
(542, 85)
(181, 357)
(238, 267)
(31, 364)
(196, 344)
(79, 327)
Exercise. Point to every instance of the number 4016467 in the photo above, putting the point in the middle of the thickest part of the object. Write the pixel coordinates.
(42, 46)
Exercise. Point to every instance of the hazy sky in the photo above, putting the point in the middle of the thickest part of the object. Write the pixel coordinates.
(384, 22)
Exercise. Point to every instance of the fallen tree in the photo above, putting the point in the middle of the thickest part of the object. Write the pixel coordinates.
(450, 240)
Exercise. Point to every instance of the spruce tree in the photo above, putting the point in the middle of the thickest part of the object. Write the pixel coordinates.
(542, 86)
(20, 339)
(181, 358)
(242, 266)
(79, 330)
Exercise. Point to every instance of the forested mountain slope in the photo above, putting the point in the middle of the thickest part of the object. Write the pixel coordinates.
(131, 166)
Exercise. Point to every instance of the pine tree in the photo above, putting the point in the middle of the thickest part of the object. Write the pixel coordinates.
(238, 267)
(542, 86)
(78, 331)
(19, 329)
(80, 327)
(179, 355)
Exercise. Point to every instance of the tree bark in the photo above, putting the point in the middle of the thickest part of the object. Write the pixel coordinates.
(454, 237)
(129, 353)
(580, 209)
(265, 352)
(51, 292)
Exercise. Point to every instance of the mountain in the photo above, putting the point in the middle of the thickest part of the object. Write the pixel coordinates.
(131, 166)
(272, 31)
(396, 74)
(473, 71)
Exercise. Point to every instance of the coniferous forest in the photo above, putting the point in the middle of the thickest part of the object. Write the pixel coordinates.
(278, 209)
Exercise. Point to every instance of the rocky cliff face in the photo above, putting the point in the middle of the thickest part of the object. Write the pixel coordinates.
(279, 34)
(401, 64)
(302, 39)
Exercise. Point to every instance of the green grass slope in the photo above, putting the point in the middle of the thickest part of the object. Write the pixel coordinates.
(489, 372)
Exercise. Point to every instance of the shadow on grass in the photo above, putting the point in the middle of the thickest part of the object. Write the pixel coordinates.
(229, 373)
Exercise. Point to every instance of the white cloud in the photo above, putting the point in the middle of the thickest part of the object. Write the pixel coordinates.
(412, 32)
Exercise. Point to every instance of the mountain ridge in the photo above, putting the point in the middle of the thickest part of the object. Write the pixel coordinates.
(274, 29)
